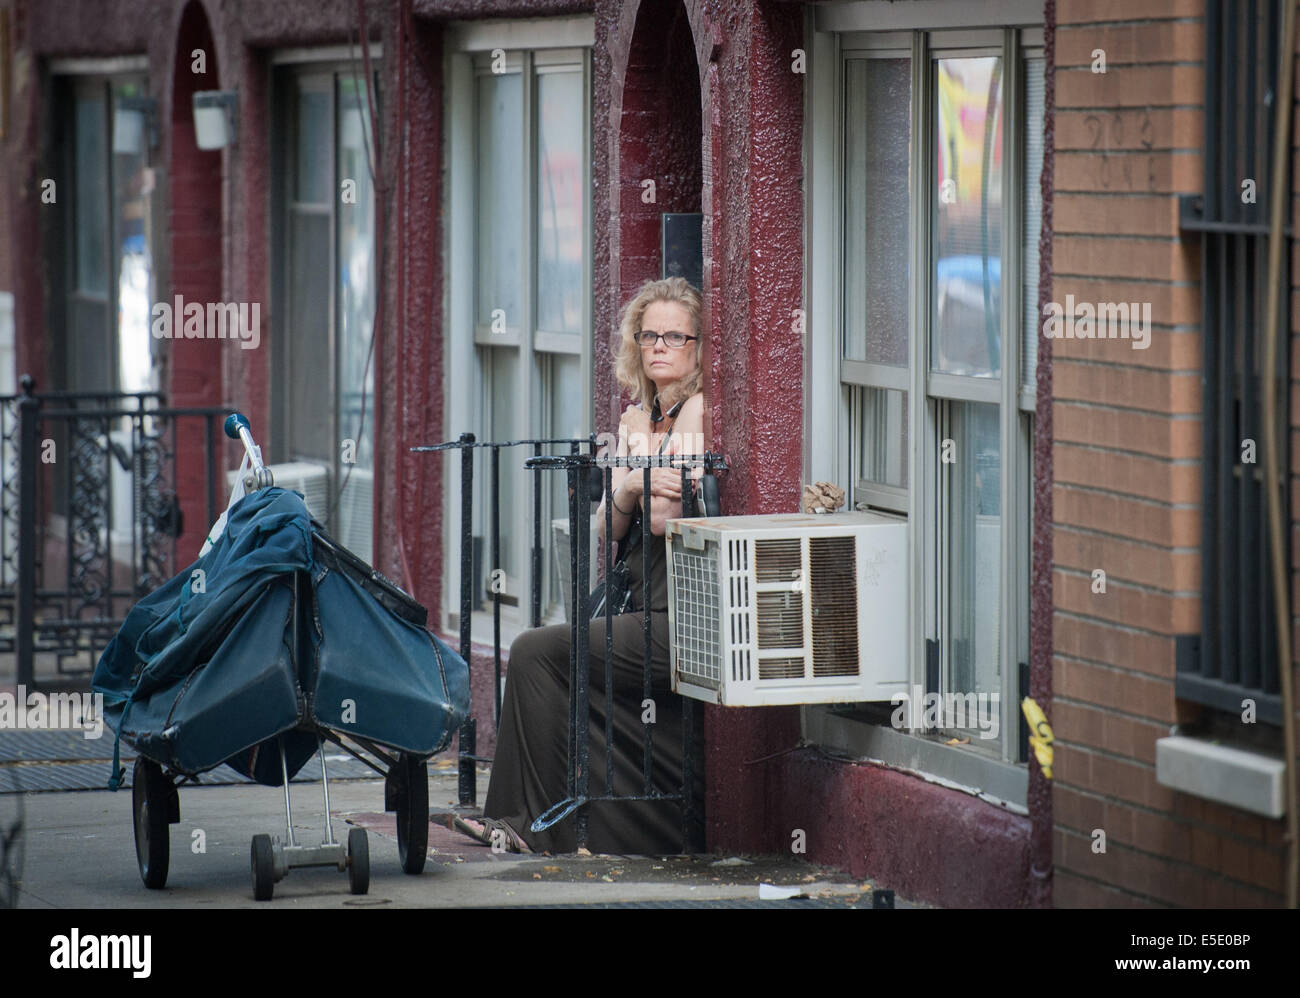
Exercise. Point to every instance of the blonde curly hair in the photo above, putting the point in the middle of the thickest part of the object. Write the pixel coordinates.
(627, 354)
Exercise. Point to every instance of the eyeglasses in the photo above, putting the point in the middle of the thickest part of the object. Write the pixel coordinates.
(647, 338)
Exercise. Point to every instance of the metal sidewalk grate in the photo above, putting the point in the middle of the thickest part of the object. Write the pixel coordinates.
(42, 761)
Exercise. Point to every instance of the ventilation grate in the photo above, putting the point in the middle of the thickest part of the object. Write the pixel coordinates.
(780, 668)
(780, 619)
(777, 560)
(696, 613)
(832, 567)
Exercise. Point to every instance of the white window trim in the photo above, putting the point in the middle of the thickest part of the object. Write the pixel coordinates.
(543, 42)
(324, 53)
(521, 33)
(115, 65)
(827, 410)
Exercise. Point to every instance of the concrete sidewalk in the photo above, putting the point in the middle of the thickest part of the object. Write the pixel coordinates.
(80, 853)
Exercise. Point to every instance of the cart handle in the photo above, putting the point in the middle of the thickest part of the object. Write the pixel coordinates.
(238, 428)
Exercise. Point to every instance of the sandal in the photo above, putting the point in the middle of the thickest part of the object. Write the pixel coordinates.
(481, 829)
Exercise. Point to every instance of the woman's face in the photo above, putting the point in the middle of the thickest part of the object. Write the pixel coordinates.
(663, 364)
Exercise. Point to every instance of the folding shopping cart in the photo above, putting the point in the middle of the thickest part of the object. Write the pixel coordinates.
(275, 641)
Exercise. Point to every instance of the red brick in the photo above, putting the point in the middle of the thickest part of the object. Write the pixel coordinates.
(1145, 521)
(1128, 173)
(1090, 11)
(1105, 384)
(1156, 434)
(1151, 42)
(1128, 86)
(1131, 693)
(1147, 653)
(1108, 215)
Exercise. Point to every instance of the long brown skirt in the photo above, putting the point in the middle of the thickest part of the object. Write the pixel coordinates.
(529, 770)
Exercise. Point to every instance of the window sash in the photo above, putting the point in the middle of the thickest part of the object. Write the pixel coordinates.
(314, 424)
(929, 391)
(544, 356)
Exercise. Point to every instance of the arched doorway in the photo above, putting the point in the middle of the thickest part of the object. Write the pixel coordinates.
(193, 367)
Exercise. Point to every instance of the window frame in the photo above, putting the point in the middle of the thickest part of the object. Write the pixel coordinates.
(69, 79)
(533, 47)
(296, 71)
(924, 32)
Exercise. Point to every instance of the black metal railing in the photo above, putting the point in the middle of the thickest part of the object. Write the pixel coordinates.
(91, 490)
(1235, 655)
(588, 478)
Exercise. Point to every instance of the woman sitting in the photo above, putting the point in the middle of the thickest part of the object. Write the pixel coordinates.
(658, 361)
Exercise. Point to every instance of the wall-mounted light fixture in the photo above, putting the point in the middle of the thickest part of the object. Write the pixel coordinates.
(216, 118)
(134, 119)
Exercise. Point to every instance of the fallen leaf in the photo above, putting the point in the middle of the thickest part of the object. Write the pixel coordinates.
(537, 876)
(607, 878)
(550, 869)
(808, 879)
(957, 741)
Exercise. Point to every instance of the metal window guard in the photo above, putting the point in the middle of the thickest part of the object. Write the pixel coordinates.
(589, 477)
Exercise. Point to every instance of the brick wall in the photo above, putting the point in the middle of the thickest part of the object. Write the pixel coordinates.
(1127, 468)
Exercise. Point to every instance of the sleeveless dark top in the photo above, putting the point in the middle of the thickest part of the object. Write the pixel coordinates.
(658, 573)
(658, 564)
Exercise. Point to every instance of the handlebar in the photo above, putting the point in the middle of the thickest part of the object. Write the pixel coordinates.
(238, 428)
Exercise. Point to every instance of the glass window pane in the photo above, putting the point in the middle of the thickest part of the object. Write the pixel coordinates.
(971, 550)
(564, 401)
(355, 316)
(501, 368)
(312, 162)
(1033, 201)
(131, 220)
(308, 364)
(877, 129)
(882, 448)
(966, 226)
(559, 202)
(500, 172)
(356, 255)
(91, 207)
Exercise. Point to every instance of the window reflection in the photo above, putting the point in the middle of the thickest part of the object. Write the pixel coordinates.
(967, 217)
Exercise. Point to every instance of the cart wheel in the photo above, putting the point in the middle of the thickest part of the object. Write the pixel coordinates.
(413, 813)
(358, 861)
(149, 791)
(263, 868)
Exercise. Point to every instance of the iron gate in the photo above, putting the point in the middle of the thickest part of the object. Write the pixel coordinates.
(91, 510)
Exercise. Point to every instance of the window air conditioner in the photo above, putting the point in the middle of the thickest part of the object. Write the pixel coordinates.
(788, 609)
(312, 480)
(356, 507)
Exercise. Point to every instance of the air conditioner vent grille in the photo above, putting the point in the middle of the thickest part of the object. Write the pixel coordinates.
(780, 619)
(738, 610)
(777, 560)
(780, 668)
(832, 567)
(696, 608)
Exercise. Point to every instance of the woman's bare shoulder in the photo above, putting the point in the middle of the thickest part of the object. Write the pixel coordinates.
(693, 406)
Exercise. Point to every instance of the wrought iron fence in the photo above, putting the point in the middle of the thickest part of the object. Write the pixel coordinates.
(93, 490)
(588, 478)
